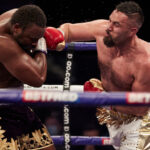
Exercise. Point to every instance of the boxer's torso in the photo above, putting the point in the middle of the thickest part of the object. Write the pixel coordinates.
(118, 70)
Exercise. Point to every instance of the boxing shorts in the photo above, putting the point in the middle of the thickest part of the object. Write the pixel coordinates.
(127, 132)
(21, 129)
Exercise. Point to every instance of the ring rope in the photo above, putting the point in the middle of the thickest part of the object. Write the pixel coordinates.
(81, 46)
(83, 140)
(73, 88)
(75, 98)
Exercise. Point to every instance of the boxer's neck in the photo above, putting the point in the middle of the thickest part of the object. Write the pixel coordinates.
(127, 46)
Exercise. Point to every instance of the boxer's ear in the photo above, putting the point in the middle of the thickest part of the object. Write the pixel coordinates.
(133, 31)
(16, 28)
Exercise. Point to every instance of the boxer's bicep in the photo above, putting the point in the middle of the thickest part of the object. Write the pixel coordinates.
(80, 32)
(23, 67)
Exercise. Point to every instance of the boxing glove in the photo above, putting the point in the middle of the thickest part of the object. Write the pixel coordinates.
(54, 39)
(93, 85)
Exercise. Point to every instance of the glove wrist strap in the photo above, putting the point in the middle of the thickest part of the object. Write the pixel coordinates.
(41, 46)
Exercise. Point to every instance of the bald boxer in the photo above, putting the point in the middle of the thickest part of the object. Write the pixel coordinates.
(23, 60)
(124, 61)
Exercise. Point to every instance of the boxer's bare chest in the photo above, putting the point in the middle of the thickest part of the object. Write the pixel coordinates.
(116, 71)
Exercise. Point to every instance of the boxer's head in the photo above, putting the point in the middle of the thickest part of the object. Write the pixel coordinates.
(133, 11)
(28, 25)
(125, 21)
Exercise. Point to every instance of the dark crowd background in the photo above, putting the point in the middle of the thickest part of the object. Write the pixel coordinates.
(83, 120)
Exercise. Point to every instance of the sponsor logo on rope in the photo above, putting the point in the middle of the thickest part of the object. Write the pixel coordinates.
(138, 98)
(106, 141)
(46, 96)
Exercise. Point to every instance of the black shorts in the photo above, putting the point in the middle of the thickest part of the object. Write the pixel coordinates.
(21, 129)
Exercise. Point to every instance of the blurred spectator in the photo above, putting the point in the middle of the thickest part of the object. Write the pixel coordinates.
(92, 129)
(53, 124)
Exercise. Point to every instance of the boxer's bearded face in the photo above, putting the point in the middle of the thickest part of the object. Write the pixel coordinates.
(118, 30)
(116, 39)
(108, 40)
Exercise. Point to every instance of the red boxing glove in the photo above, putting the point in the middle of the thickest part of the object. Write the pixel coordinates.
(54, 39)
(93, 85)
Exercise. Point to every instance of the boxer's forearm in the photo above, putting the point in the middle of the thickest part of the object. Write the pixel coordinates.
(65, 29)
(41, 60)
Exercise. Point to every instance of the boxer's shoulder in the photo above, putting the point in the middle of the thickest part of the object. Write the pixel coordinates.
(8, 47)
(6, 41)
(7, 14)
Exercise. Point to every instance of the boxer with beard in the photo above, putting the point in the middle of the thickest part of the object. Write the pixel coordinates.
(124, 63)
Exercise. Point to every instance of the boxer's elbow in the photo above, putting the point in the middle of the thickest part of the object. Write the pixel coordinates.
(40, 82)
(37, 81)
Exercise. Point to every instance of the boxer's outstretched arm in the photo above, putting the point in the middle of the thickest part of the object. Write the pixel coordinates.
(29, 70)
(84, 31)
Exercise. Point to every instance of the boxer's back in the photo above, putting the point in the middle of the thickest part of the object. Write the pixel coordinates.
(6, 79)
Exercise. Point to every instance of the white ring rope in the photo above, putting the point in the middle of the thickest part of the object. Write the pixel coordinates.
(73, 88)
